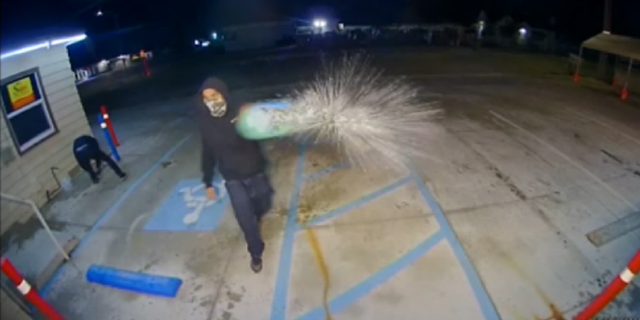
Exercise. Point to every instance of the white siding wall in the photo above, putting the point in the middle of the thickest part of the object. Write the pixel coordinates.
(29, 176)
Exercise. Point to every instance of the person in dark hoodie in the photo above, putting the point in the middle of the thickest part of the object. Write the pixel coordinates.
(240, 162)
(85, 149)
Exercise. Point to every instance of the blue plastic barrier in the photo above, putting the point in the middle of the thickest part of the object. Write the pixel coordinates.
(134, 281)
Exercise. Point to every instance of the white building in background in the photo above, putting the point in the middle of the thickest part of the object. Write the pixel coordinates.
(41, 116)
(257, 36)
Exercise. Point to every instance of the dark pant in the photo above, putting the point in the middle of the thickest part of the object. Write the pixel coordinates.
(251, 199)
(89, 152)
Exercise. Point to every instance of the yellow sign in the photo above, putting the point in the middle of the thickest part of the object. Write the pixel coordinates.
(21, 93)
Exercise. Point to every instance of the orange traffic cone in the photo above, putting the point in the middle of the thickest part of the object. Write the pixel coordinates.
(576, 77)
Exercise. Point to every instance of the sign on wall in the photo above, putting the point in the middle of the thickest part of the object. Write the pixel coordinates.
(21, 93)
(26, 109)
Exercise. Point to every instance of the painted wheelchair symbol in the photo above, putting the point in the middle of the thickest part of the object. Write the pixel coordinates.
(198, 203)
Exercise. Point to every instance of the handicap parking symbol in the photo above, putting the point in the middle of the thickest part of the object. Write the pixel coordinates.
(188, 209)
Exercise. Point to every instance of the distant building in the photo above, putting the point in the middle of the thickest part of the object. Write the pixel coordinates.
(506, 32)
(257, 36)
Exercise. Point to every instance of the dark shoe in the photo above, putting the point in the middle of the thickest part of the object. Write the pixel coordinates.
(256, 264)
(123, 176)
(95, 180)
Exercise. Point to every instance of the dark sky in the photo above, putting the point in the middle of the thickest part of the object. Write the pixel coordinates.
(27, 18)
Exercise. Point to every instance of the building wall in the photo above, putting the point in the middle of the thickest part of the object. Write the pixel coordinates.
(29, 175)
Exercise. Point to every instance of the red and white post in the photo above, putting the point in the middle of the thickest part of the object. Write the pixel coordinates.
(143, 56)
(615, 287)
(27, 291)
(107, 120)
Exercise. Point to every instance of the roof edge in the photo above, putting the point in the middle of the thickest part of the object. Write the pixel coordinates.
(45, 44)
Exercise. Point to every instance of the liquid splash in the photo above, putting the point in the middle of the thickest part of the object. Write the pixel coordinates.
(374, 120)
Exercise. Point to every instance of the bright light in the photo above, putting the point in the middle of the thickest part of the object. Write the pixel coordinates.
(67, 41)
(25, 50)
(99, 13)
(319, 23)
(341, 26)
(214, 36)
(196, 42)
(205, 43)
(523, 31)
(103, 61)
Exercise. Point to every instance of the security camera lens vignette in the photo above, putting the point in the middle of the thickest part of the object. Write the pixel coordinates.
(325, 160)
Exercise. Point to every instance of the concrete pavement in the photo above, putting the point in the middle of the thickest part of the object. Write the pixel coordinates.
(495, 230)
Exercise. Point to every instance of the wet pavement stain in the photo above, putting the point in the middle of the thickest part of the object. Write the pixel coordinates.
(628, 300)
(149, 265)
(507, 180)
(206, 303)
(235, 297)
(20, 233)
(608, 154)
(167, 163)
(556, 314)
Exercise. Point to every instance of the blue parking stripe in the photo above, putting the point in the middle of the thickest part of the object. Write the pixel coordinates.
(362, 289)
(358, 203)
(484, 301)
(279, 306)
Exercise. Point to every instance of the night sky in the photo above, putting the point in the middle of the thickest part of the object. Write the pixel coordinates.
(575, 19)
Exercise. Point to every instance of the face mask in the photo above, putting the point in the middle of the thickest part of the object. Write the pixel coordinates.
(217, 108)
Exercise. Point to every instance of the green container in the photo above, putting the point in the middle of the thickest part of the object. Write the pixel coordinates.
(264, 120)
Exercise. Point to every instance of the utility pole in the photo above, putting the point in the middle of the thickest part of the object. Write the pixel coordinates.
(602, 63)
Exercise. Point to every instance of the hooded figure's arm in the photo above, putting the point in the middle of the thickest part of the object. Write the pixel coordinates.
(208, 164)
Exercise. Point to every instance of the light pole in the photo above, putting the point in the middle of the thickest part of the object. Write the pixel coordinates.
(603, 61)
(116, 19)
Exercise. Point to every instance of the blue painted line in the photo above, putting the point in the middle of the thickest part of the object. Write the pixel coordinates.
(362, 289)
(357, 203)
(279, 306)
(484, 301)
(321, 173)
(105, 216)
(134, 281)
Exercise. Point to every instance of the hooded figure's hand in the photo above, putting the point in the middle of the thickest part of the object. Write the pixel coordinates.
(240, 111)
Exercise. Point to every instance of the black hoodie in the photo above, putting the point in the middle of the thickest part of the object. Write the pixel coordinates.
(237, 158)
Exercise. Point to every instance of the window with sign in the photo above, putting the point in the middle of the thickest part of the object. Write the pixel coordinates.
(26, 109)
